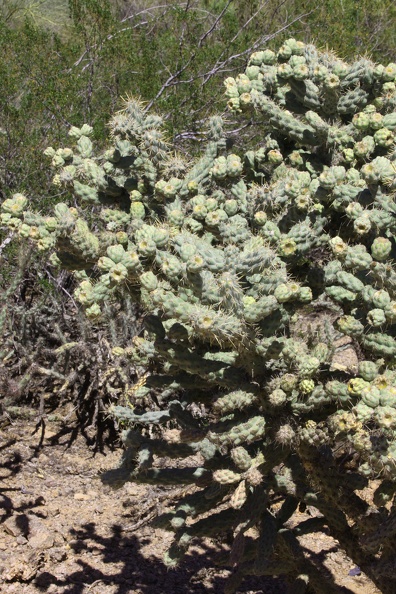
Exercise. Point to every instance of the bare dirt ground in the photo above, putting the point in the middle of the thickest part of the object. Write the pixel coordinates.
(63, 532)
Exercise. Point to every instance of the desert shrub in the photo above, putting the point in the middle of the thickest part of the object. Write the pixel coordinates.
(269, 285)
(53, 361)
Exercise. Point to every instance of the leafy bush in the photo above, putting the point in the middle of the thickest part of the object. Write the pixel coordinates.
(254, 271)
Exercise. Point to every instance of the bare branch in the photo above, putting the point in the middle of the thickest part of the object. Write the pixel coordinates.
(6, 242)
(212, 28)
(58, 284)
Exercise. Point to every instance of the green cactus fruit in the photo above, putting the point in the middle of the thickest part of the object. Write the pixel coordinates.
(390, 312)
(93, 312)
(337, 390)
(286, 292)
(288, 382)
(255, 311)
(308, 366)
(277, 398)
(260, 218)
(16, 205)
(357, 385)
(118, 273)
(371, 397)
(376, 318)
(338, 247)
(364, 148)
(350, 325)
(368, 370)
(376, 121)
(149, 281)
(385, 416)
(384, 138)
(361, 121)
(287, 247)
(357, 258)
(381, 299)
(137, 210)
(306, 386)
(234, 165)
(362, 412)
(381, 248)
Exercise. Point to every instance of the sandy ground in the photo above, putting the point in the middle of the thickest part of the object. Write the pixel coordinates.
(63, 532)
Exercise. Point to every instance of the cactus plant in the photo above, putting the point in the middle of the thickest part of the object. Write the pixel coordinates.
(252, 268)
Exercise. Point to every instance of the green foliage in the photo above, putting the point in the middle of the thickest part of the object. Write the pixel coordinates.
(250, 268)
(52, 15)
(348, 26)
(52, 77)
(35, 104)
(65, 63)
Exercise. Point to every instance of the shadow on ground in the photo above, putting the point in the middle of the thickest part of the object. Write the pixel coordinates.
(147, 575)
(47, 496)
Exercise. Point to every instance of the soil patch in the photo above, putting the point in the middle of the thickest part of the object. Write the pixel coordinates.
(63, 532)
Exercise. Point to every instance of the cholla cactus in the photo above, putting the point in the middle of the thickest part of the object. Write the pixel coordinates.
(252, 268)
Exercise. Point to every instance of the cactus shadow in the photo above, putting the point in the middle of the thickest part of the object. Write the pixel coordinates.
(145, 573)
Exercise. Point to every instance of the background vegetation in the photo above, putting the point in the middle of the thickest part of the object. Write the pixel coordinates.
(66, 62)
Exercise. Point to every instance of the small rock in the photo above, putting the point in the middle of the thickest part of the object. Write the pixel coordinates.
(49, 434)
(62, 531)
(74, 544)
(21, 540)
(81, 497)
(43, 513)
(50, 482)
(95, 552)
(16, 525)
(58, 554)
(42, 540)
(345, 360)
(58, 540)
(40, 501)
(21, 568)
